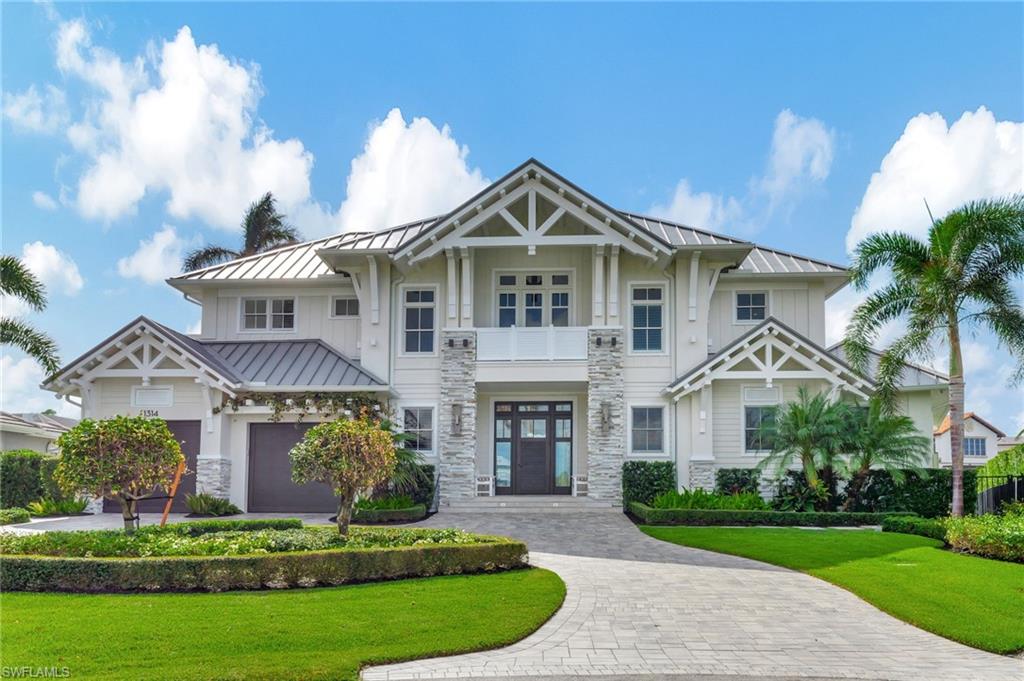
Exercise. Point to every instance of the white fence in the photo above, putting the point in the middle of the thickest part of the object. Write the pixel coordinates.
(532, 343)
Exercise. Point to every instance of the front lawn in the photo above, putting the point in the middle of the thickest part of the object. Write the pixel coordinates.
(326, 633)
(973, 600)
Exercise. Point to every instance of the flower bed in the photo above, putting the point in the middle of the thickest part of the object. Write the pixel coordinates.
(223, 555)
(686, 516)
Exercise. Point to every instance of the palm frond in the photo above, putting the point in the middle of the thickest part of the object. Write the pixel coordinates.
(18, 281)
(902, 252)
(208, 255)
(33, 343)
(264, 227)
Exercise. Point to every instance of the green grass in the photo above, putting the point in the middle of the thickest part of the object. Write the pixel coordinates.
(973, 600)
(324, 633)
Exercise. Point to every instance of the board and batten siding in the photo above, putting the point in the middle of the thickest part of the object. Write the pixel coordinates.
(796, 304)
(114, 398)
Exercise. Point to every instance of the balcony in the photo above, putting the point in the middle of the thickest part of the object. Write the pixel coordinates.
(547, 343)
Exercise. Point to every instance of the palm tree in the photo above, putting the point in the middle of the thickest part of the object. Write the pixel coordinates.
(960, 275)
(879, 439)
(264, 229)
(811, 430)
(17, 281)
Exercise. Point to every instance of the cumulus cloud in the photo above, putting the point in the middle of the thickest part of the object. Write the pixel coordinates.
(800, 156)
(182, 122)
(55, 269)
(407, 171)
(44, 201)
(156, 258)
(34, 111)
(20, 392)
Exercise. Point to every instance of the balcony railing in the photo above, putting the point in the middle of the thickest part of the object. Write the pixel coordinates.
(531, 343)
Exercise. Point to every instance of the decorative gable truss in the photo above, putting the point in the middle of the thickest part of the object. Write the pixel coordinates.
(770, 352)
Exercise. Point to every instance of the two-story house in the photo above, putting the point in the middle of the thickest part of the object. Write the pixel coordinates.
(531, 340)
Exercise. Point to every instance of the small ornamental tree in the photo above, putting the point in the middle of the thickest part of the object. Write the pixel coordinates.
(121, 458)
(350, 455)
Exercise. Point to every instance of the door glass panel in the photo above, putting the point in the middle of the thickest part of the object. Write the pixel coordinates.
(533, 407)
(563, 406)
(563, 457)
(563, 428)
(503, 464)
(503, 428)
(533, 310)
(533, 428)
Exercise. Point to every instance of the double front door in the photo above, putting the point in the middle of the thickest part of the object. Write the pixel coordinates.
(533, 447)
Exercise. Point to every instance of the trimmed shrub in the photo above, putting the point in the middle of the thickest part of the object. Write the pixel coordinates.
(13, 516)
(644, 480)
(912, 524)
(992, 536)
(50, 507)
(699, 498)
(19, 477)
(50, 488)
(737, 480)
(390, 502)
(207, 504)
(423, 493)
(198, 527)
(930, 496)
(681, 516)
(390, 515)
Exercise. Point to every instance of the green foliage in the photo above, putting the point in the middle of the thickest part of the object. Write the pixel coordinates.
(644, 480)
(17, 281)
(737, 480)
(423, 492)
(911, 524)
(794, 494)
(399, 515)
(386, 503)
(19, 477)
(685, 516)
(195, 528)
(927, 494)
(50, 488)
(699, 498)
(992, 536)
(264, 228)
(1005, 463)
(50, 507)
(13, 516)
(207, 504)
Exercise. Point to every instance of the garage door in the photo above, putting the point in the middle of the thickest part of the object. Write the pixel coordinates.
(271, 489)
(187, 433)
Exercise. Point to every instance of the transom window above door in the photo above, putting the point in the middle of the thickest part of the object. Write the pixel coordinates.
(534, 299)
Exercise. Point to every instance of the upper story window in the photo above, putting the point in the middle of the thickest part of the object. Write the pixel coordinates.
(751, 306)
(532, 300)
(419, 320)
(648, 318)
(345, 306)
(268, 314)
(974, 446)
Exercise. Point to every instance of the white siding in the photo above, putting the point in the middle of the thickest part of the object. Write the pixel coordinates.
(795, 304)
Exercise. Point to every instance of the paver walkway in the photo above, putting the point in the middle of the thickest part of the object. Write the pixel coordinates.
(638, 607)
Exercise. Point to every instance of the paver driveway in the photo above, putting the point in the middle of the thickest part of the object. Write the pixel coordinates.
(636, 606)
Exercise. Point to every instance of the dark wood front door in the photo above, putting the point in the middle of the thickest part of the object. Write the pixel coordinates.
(533, 447)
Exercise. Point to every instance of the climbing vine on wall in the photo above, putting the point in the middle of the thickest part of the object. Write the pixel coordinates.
(329, 405)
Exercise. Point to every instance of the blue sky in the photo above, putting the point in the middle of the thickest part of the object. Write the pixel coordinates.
(766, 121)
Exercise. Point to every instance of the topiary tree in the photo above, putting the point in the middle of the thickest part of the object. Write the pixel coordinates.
(350, 455)
(121, 458)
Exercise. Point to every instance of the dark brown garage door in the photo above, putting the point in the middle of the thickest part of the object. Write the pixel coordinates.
(271, 489)
(187, 433)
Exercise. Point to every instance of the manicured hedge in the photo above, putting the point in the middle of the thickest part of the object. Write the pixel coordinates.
(199, 527)
(644, 480)
(49, 487)
(737, 480)
(930, 496)
(390, 515)
(992, 536)
(912, 524)
(19, 477)
(680, 516)
(267, 571)
(13, 516)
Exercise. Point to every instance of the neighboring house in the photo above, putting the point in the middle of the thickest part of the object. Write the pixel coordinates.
(981, 440)
(532, 340)
(37, 432)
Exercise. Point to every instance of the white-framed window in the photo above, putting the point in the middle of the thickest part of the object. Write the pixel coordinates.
(268, 314)
(418, 424)
(751, 306)
(151, 396)
(974, 446)
(419, 320)
(760, 405)
(647, 429)
(344, 307)
(647, 318)
(534, 298)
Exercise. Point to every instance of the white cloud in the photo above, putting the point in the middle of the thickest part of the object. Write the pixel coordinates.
(20, 391)
(976, 157)
(800, 155)
(182, 121)
(44, 201)
(32, 111)
(157, 258)
(55, 269)
(406, 172)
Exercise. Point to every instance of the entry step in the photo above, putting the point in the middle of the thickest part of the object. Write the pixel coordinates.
(526, 504)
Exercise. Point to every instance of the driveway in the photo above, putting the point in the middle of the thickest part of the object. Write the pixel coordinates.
(637, 607)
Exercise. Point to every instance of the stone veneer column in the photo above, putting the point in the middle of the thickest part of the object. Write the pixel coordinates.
(457, 451)
(606, 442)
(702, 474)
(213, 476)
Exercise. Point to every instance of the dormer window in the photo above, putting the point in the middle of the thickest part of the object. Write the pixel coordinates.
(751, 306)
(268, 314)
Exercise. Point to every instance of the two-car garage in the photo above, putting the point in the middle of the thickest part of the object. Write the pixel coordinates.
(271, 489)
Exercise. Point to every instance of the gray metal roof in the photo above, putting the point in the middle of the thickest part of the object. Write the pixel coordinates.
(912, 376)
(764, 260)
(310, 363)
(682, 235)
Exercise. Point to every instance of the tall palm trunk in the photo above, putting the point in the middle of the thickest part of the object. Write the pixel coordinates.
(956, 415)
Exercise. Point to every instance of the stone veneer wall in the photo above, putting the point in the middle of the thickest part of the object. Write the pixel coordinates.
(457, 451)
(213, 476)
(702, 474)
(605, 444)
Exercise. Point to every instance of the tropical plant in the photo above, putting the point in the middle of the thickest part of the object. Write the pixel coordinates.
(392, 502)
(207, 504)
(49, 507)
(350, 455)
(812, 432)
(702, 499)
(264, 229)
(959, 276)
(17, 281)
(121, 458)
(877, 439)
